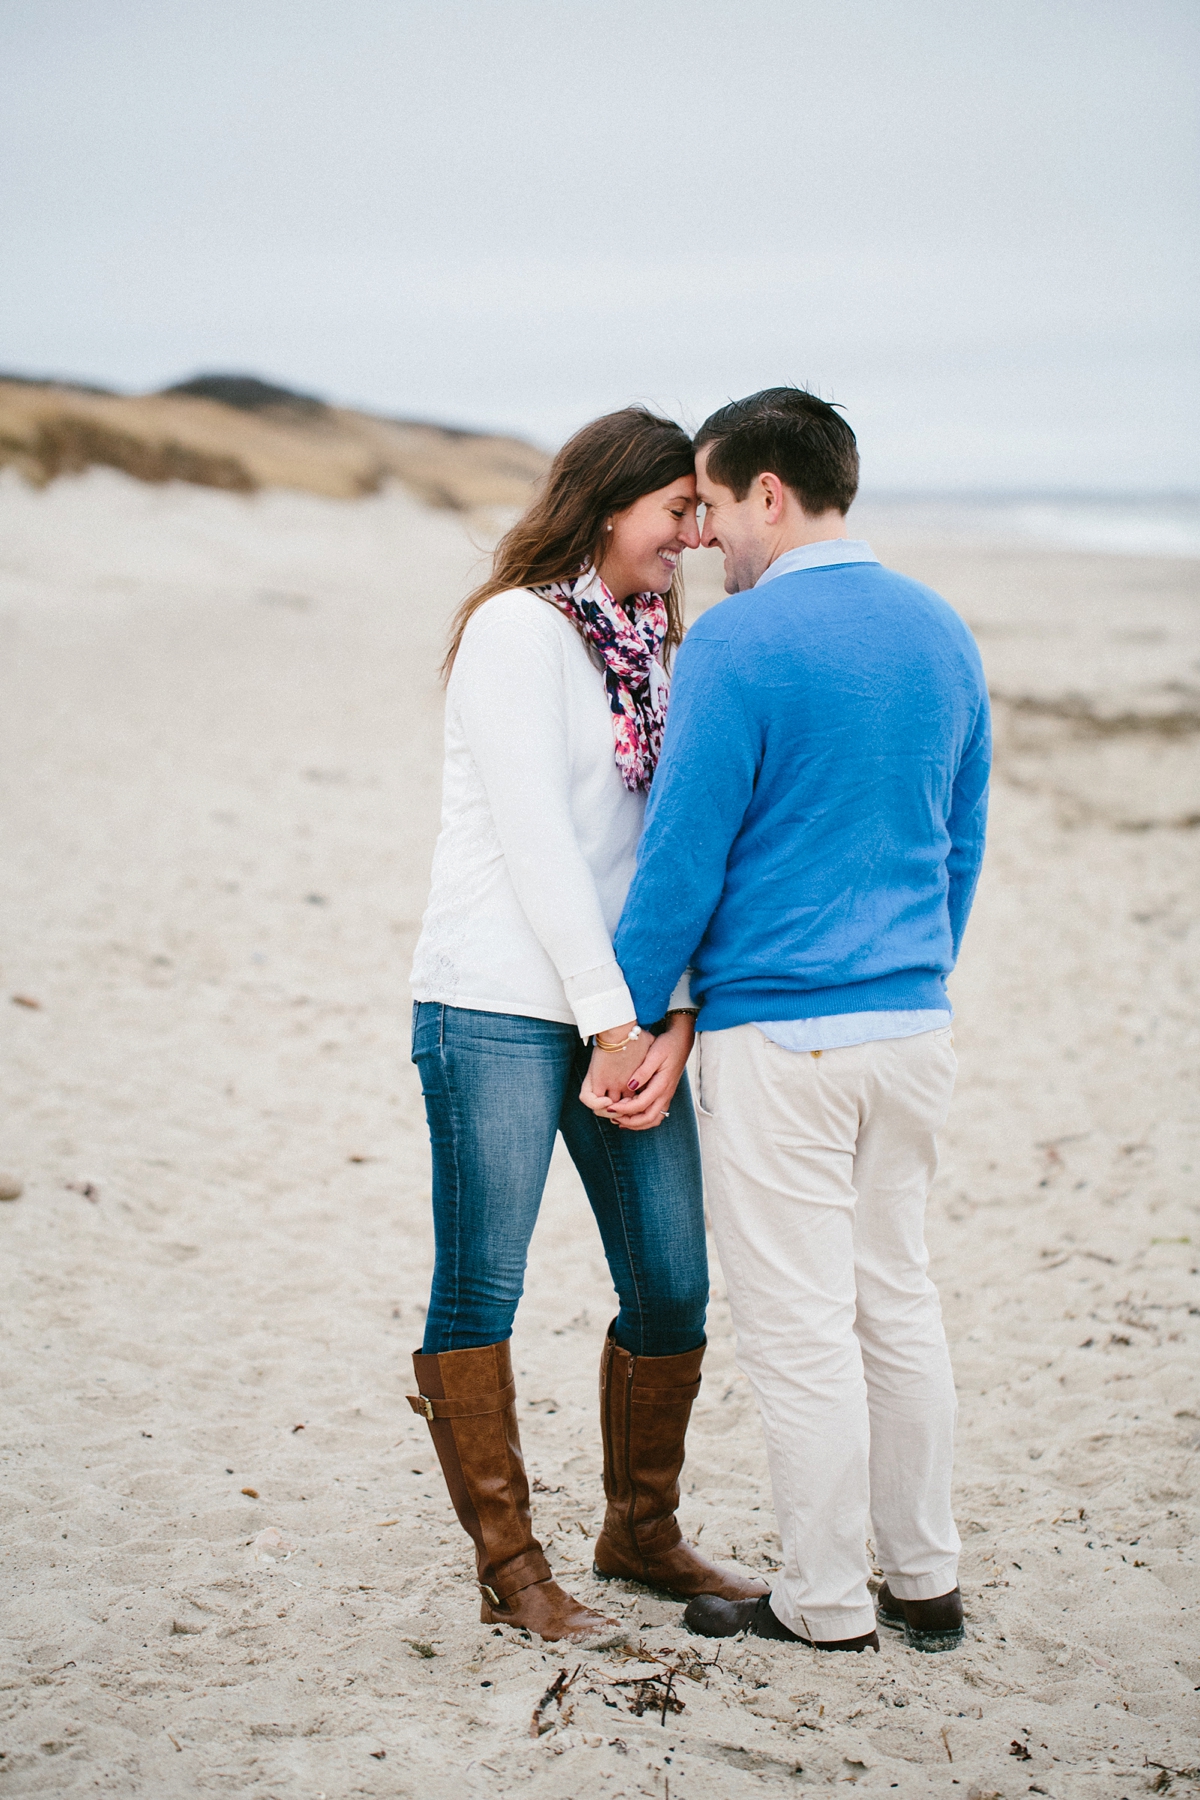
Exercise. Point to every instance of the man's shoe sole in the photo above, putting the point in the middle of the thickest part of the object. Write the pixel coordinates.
(931, 1642)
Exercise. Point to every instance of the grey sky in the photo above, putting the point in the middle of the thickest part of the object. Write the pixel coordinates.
(976, 224)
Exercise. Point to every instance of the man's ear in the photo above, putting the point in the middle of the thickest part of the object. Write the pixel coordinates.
(771, 490)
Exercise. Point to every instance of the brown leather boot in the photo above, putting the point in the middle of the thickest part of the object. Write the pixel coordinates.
(645, 1405)
(469, 1399)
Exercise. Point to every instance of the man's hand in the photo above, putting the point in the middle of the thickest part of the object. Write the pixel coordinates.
(640, 1100)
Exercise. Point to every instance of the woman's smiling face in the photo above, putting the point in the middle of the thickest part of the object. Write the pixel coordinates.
(648, 538)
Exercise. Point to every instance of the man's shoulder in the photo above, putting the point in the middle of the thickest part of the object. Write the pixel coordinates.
(719, 623)
(939, 614)
(886, 588)
(908, 586)
(866, 576)
(793, 629)
(740, 616)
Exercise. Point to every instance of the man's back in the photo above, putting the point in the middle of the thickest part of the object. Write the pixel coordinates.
(824, 779)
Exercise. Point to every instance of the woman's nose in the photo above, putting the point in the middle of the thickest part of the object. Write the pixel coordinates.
(690, 532)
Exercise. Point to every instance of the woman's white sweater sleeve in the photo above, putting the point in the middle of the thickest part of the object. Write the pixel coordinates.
(509, 689)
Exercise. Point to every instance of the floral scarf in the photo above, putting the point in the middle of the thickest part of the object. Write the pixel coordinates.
(635, 678)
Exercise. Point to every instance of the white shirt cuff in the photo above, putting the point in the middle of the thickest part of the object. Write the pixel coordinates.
(682, 995)
(599, 998)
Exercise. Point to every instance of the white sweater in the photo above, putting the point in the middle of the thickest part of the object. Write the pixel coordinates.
(538, 833)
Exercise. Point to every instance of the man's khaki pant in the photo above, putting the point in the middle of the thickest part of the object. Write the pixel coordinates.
(818, 1166)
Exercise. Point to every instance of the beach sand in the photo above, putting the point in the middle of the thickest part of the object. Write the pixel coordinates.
(230, 1565)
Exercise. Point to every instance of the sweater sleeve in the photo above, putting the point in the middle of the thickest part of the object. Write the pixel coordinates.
(967, 823)
(702, 786)
(509, 689)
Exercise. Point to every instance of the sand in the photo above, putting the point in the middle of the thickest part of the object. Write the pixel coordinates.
(230, 1566)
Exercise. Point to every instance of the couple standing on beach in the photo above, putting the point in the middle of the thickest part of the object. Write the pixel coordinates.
(780, 865)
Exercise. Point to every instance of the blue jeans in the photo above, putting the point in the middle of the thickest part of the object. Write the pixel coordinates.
(497, 1087)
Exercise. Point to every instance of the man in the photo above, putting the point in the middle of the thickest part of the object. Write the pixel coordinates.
(812, 844)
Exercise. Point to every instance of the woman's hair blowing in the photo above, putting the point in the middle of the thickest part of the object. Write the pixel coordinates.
(600, 471)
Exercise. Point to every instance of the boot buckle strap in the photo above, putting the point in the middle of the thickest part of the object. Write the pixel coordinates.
(468, 1406)
(516, 1574)
(489, 1594)
(674, 1396)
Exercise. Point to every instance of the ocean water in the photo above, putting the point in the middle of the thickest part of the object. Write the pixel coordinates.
(1135, 525)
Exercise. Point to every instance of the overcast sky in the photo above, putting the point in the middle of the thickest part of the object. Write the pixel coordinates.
(976, 223)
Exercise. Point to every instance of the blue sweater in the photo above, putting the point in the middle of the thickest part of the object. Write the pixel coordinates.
(816, 824)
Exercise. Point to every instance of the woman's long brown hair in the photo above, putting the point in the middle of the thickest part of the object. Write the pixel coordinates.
(601, 470)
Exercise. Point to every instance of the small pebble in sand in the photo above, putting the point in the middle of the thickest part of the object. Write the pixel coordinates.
(11, 1187)
(271, 1546)
(250, 1493)
(27, 1000)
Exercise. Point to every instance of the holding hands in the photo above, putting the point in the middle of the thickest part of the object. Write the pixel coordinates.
(633, 1085)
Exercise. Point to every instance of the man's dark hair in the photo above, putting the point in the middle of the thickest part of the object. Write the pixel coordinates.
(786, 432)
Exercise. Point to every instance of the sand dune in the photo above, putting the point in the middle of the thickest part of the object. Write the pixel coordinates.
(266, 438)
(230, 1564)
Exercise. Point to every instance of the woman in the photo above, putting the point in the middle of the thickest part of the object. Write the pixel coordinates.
(554, 716)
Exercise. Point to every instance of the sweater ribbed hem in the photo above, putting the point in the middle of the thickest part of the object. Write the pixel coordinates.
(747, 1002)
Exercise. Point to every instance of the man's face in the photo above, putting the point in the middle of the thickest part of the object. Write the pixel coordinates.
(738, 528)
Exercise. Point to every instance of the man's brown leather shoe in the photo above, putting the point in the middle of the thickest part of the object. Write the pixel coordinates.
(645, 1405)
(929, 1625)
(709, 1617)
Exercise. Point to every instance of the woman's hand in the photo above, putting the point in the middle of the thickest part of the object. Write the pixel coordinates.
(642, 1101)
(611, 1071)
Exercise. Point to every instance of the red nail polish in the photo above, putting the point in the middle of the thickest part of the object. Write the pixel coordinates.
(633, 1087)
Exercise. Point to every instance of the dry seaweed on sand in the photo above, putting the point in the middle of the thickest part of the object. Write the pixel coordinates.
(538, 1723)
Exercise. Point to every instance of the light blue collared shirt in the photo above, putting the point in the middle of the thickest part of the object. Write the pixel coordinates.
(819, 556)
(839, 1031)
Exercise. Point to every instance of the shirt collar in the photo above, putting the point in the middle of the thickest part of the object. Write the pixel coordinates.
(819, 556)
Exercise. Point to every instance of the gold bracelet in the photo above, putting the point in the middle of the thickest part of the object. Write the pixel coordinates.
(682, 1012)
(623, 1045)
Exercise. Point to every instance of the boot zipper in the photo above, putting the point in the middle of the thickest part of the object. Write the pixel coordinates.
(629, 1461)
